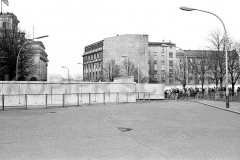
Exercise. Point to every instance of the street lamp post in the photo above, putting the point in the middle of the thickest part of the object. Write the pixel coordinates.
(83, 69)
(225, 41)
(20, 52)
(68, 71)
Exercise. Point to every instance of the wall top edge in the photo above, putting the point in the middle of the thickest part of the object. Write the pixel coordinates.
(31, 82)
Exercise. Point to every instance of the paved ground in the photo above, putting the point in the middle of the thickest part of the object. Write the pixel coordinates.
(151, 130)
(233, 106)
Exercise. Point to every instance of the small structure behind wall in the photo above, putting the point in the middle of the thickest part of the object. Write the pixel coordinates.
(156, 91)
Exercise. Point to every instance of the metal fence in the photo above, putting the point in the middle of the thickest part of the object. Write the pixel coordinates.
(219, 96)
(28, 101)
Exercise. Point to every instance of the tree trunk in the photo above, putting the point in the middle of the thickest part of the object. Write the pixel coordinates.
(202, 88)
(184, 87)
(233, 89)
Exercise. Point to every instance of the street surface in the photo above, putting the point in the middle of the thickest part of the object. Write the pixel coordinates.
(134, 131)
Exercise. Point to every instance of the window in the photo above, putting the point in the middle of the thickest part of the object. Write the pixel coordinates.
(162, 49)
(171, 63)
(162, 76)
(155, 57)
(155, 76)
(170, 54)
(155, 67)
(170, 70)
(4, 25)
(162, 59)
(163, 67)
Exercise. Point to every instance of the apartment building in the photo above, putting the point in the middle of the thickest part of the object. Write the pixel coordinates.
(97, 55)
(152, 58)
(162, 56)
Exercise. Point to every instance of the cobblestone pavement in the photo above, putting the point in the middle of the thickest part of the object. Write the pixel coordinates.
(134, 131)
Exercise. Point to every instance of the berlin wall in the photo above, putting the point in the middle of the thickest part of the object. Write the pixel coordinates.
(57, 93)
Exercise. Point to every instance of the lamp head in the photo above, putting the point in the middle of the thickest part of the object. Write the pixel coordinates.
(41, 37)
(187, 9)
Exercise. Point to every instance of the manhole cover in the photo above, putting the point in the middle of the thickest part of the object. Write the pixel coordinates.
(122, 129)
(51, 112)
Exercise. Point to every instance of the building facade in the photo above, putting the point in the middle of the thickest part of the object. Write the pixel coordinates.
(162, 56)
(41, 62)
(8, 21)
(151, 58)
(97, 55)
(195, 55)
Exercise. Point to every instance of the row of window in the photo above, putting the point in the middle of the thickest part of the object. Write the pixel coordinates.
(92, 76)
(163, 65)
(163, 56)
(92, 57)
(92, 66)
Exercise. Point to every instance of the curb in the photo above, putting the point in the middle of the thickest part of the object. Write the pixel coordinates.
(229, 110)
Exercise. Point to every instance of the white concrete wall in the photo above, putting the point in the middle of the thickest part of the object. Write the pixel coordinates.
(79, 92)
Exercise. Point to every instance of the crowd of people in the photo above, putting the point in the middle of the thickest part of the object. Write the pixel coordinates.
(176, 93)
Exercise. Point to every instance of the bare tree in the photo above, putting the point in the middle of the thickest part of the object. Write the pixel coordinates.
(179, 73)
(217, 57)
(233, 62)
(130, 69)
(201, 66)
(10, 44)
(214, 70)
(111, 70)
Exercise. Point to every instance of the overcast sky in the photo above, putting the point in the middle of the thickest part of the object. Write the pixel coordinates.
(73, 24)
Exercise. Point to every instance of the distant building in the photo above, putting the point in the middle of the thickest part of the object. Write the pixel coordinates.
(41, 62)
(196, 54)
(8, 21)
(147, 55)
(162, 56)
